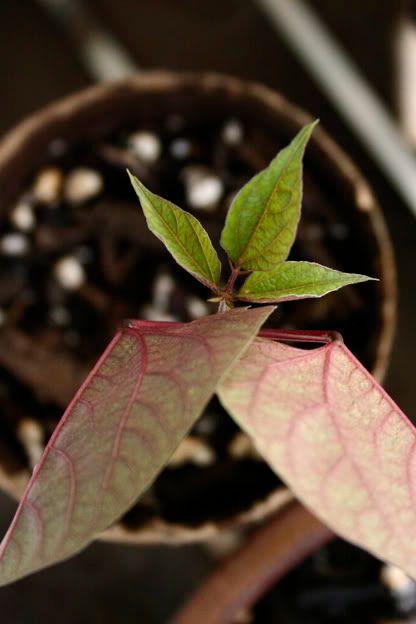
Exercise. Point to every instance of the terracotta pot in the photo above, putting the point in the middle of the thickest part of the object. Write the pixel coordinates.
(293, 569)
(271, 552)
(99, 111)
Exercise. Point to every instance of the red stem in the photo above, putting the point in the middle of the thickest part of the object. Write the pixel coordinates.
(300, 335)
(284, 335)
(231, 281)
(139, 324)
(227, 294)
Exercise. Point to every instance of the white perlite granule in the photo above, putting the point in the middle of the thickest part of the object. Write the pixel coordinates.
(232, 132)
(146, 146)
(14, 244)
(82, 184)
(203, 189)
(196, 308)
(30, 435)
(69, 273)
(47, 186)
(23, 217)
(162, 289)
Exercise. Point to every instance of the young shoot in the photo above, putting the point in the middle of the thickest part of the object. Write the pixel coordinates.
(317, 416)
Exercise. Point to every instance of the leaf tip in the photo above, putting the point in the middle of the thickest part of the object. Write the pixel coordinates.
(137, 185)
(310, 127)
(366, 278)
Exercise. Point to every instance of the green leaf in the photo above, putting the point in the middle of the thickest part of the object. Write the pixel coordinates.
(295, 280)
(134, 408)
(182, 234)
(262, 221)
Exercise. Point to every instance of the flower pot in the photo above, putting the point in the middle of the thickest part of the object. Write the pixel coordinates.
(293, 571)
(270, 553)
(76, 258)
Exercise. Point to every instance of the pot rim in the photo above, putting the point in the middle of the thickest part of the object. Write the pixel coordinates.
(269, 554)
(22, 137)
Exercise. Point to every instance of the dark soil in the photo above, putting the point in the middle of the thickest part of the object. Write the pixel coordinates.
(50, 327)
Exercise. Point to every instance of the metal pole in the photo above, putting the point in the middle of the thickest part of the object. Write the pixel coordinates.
(101, 53)
(343, 83)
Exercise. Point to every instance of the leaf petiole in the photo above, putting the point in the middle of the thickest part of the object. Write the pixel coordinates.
(295, 335)
(227, 295)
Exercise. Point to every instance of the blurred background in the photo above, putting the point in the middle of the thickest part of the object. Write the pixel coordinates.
(50, 48)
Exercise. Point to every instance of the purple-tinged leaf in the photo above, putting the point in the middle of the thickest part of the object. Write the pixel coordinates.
(134, 408)
(338, 440)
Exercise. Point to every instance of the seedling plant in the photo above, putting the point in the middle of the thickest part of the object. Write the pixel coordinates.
(319, 419)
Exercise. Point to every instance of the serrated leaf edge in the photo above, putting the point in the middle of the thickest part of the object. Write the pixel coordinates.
(194, 222)
(248, 296)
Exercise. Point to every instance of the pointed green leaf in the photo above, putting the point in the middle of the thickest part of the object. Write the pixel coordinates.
(262, 221)
(182, 234)
(124, 423)
(295, 280)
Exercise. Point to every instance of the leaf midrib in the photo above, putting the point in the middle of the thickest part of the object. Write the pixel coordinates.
(295, 288)
(263, 214)
(270, 244)
(181, 244)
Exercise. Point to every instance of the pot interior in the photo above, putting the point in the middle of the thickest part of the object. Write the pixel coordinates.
(220, 134)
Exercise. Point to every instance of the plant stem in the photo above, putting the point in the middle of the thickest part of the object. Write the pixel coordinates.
(299, 335)
(231, 281)
(226, 301)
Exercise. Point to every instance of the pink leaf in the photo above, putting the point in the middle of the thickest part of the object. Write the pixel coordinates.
(338, 440)
(132, 411)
